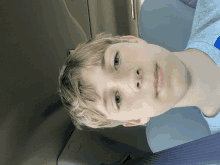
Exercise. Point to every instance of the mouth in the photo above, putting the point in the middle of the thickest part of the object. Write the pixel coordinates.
(159, 80)
(156, 80)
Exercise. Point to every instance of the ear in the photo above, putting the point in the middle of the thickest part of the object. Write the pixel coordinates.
(136, 122)
(129, 37)
(133, 39)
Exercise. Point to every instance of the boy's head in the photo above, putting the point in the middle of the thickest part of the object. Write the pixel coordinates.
(123, 91)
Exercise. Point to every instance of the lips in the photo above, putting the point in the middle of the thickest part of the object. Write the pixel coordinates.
(156, 79)
(158, 82)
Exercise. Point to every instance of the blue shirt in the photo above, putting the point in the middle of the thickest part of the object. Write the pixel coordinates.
(205, 36)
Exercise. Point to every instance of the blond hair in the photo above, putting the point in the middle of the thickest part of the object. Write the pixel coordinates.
(78, 95)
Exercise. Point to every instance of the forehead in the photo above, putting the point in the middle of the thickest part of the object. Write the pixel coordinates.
(113, 47)
(94, 76)
(120, 45)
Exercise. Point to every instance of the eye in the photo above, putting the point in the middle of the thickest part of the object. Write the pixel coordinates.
(116, 60)
(117, 100)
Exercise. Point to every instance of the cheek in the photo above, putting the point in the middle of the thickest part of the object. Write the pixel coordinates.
(153, 107)
(138, 56)
(144, 57)
(142, 104)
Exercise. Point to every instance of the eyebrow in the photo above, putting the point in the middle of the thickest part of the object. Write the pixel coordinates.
(105, 93)
(105, 99)
(103, 64)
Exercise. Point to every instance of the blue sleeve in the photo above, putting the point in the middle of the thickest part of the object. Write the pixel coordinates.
(205, 33)
(214, 123)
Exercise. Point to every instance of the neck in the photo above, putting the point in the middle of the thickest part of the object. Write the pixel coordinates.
(203, 88)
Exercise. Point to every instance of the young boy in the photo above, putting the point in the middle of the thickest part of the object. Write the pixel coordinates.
(111, 81)
(123, 90)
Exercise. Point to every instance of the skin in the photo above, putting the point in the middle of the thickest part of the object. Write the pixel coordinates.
(185, 81)
(205, 88)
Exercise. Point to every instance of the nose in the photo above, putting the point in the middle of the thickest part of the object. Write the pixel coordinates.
(138, 79)
(133, 81)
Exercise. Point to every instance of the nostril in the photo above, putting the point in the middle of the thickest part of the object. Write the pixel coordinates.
(138, 84)
(138, 72)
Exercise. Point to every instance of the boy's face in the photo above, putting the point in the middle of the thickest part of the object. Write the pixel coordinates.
(137, 102)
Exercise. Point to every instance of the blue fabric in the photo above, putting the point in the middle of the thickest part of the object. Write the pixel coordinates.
(190, 3)
(169, 24)
(175, 127)
(217, 43)
(206, 29)
(166, 23)
(204, 151)
(214, 123)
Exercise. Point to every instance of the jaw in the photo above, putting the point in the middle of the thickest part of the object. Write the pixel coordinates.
(204, 88)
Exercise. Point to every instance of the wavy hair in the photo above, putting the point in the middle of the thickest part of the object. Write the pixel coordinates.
(78, 95)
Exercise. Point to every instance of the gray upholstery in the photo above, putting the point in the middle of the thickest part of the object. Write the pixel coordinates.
(166, 23)
(35, 36)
